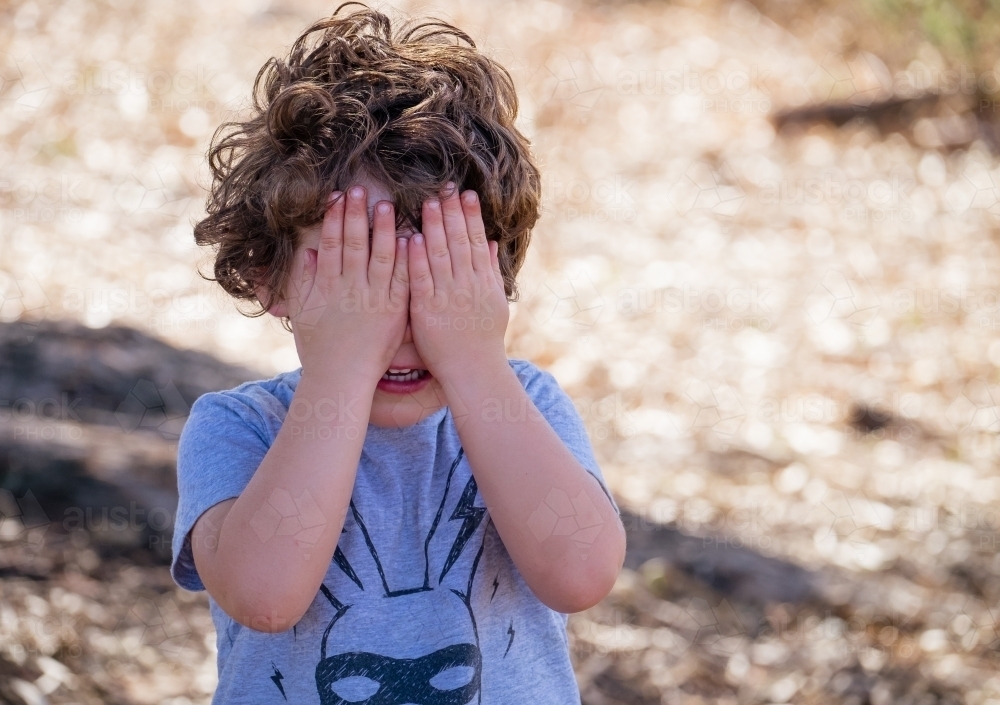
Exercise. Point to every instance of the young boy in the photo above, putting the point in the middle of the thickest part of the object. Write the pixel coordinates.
(409, 516)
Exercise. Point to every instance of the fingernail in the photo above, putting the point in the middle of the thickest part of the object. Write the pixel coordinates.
(382, 208)
(434, 204)
(470, 197)
(418, 239)
(449, 187)
(357, 192)
(401, 242)
(334, 196)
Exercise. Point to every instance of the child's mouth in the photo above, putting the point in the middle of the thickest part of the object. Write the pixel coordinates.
(404, 381)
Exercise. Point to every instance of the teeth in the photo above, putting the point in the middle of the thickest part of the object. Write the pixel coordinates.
(407, 375)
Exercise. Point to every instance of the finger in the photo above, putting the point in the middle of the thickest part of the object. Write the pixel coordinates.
(399, 287)
(331, 240)
(455, 230)
(495, 261)
(436, 243)
(356, 234)
(380, 267)
(421, 278)
(477, 232)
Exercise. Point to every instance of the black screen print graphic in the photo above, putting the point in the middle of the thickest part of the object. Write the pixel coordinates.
(434, 608)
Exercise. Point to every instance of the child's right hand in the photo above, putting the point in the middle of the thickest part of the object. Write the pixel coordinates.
(349, 305)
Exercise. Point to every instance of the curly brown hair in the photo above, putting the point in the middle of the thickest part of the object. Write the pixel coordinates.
(412, 107)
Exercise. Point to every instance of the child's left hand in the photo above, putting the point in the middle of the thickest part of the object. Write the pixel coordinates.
(458, 308)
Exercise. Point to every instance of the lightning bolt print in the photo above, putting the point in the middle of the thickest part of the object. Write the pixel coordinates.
(510, 630)
(471, 515)
(277, 680)
(496, 584)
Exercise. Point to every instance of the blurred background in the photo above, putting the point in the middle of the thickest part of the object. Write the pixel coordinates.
(766, 273)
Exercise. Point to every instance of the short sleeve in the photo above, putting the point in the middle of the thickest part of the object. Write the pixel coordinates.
(558, 409)
(220, 447)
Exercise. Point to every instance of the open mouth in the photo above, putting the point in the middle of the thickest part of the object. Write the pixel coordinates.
(404, 375)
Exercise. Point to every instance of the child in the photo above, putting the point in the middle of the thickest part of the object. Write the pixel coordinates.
(408, 516)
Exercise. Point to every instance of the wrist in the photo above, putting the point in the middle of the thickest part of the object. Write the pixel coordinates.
(334, 373)
(346, 389)
(479, 379)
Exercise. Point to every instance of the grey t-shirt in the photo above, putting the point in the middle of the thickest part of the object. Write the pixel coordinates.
(421, 602)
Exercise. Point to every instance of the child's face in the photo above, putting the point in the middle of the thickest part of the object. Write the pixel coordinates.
(396, 403)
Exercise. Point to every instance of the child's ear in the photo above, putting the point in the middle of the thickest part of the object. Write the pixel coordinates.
(278, 308)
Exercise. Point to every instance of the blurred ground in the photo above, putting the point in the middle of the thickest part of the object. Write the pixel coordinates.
(783, 341)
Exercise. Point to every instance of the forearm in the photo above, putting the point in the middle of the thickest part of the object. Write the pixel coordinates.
(276, 542)
(519, 462)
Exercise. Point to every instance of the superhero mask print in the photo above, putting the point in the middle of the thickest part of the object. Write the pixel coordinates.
(429, 651)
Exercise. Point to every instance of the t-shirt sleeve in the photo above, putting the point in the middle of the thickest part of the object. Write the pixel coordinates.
(220, 447)
(558, 409)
